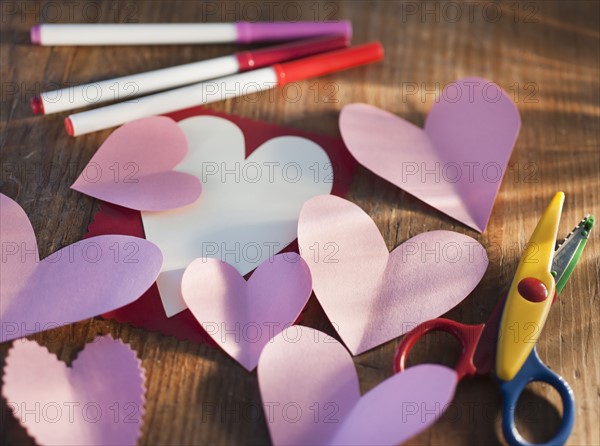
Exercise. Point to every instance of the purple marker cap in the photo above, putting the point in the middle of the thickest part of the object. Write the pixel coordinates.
(36, 35)
(248, 32)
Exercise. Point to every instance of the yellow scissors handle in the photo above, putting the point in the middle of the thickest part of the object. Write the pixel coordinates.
(530, 295)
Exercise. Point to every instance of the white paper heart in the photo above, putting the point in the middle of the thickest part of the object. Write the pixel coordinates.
(249, 208)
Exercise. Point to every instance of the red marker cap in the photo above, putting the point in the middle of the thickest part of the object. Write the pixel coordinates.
(69, 126)
(37, 105)
(249, 60)
(326, 63)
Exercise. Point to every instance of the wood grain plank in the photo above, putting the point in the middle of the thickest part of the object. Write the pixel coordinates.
(544, 53)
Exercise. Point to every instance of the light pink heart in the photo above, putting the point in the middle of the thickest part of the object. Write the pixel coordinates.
(134, 167)
(99, 400)
(371, 295)
(242, 317)
(82, 280)
(311, 396)
(456, 163)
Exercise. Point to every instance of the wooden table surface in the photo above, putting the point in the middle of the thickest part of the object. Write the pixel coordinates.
(544, 53)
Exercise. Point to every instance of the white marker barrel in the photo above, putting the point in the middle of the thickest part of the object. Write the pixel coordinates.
(178, 33)
(133, 33)
(223, 88)
(168, 101)
(126, 87)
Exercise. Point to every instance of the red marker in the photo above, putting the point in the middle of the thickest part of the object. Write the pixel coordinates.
(223, 88)
(126, 87)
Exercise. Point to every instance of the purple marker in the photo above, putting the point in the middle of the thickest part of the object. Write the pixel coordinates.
(182, 33)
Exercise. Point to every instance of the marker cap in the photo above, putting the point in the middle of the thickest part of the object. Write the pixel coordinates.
(326, 63)
(69, 126)
(249, 60)
(248, 32)
(35, 35)
(37, 105)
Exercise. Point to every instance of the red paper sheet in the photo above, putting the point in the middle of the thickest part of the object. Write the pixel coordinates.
(147, 312)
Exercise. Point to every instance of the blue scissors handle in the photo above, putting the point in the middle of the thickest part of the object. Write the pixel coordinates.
(535, 370)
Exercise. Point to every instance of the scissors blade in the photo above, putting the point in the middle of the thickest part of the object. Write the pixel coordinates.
(566, 256)
(484, 356)
(540, 248)
(530, 295)
(568, 252)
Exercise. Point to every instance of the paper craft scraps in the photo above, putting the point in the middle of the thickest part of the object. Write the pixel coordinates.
(371, 295)
(249, 208)
(456, 163)
(311, 395)
(136, 167)
(82, 280)
(241, 316)
(99, 400)
(147, 312)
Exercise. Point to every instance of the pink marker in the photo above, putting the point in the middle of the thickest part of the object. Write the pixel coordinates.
(179, 33)
(223, 88)
(126, 87)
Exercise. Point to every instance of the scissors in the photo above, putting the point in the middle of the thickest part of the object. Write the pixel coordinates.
(506, 343)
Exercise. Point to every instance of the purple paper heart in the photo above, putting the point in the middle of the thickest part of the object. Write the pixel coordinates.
(456, 163)
(310, 392)
(243, 316)
(372, 295)
(134, 167)
(99, 400)
(82, 280)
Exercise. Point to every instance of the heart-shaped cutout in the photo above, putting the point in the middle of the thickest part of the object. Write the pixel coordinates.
(456, 163)
(371, 295)
(311, 396)
(241, 316)
(98, 400)
(147, 312)
(135, 167)
(82, 280)
(249, 207)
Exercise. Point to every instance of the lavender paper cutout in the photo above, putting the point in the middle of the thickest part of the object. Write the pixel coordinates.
(372, 295)
(456, 163)
(242, 316)
(82, 280)
(136, 167)
(310, 390)
(99, 400)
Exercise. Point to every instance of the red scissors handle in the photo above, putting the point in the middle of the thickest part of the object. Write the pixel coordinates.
(467, 335)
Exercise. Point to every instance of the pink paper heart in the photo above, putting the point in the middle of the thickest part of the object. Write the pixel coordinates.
(82, 280)
(134, 167)
(455, 163)
(370, 295)
(243, 316)
(99, 400)
(311, 396)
